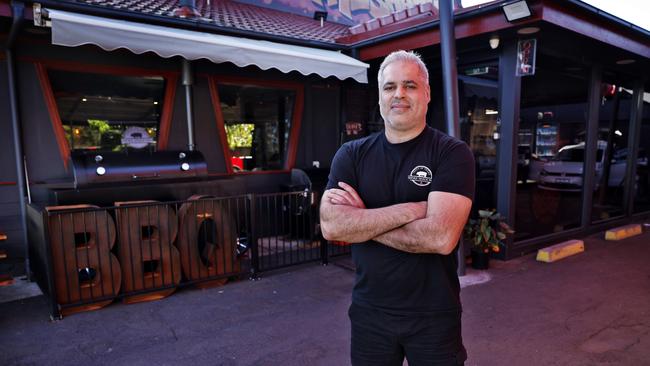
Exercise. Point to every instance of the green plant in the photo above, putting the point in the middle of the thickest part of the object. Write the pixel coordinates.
(488, 231)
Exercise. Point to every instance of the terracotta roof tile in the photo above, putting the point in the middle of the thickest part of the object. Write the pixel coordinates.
(386, 20)
(396, 21)
(231, 14)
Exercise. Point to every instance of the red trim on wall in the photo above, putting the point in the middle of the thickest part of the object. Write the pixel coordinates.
(295, 120)
(8, 183)
(53, 110)
(167, 111)
(555, 12)
(171, 78)
(466, 28)
(586, 24)
(221, 126)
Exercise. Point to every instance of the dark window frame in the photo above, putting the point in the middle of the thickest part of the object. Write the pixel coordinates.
(42, 67)
(296, 117)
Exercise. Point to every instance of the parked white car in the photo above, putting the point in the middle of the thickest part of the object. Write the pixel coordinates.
(564, 171)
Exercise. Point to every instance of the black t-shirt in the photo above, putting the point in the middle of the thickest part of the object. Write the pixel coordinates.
(385, 174)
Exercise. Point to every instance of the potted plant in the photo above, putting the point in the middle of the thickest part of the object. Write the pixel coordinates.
(486, 234)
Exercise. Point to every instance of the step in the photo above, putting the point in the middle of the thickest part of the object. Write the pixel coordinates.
(623, 232)
(559, 251)
(3, 254)
(6, 280)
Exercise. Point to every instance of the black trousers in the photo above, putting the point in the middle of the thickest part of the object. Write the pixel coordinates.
(381, 339)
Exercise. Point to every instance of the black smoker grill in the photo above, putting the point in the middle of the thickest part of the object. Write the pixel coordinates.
(92, 168)
(102, 178)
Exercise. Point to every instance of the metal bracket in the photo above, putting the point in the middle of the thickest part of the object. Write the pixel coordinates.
(41, 16)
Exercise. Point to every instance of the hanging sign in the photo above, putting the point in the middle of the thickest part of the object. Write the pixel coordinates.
(526, 54)
(353, 128)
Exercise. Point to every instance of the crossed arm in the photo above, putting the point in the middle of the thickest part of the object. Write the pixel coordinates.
(433, 226)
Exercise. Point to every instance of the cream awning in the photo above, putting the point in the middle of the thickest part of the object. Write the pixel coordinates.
(71, 29)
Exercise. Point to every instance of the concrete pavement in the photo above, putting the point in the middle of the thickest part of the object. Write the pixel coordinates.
(589, 309)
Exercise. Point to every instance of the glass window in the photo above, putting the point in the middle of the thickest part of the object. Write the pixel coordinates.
(479, 116)
(258, 123)
(642, 191)
(551, 143)
(611, 162)
(108, 112)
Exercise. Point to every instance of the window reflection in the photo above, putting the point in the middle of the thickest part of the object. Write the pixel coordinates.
(257, 122)
(611, 162)
(479, 116)
(642, 184)
(108, 112)
(550, 147)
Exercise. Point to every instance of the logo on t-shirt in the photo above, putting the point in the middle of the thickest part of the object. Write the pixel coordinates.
(421, 176)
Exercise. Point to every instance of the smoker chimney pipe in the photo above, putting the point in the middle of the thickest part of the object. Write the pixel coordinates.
(188, 81)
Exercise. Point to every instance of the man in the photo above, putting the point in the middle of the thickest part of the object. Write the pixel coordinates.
(402, 196)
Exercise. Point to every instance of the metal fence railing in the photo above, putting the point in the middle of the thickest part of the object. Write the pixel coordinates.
(85, 257)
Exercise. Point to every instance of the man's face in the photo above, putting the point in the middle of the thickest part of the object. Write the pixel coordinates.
(403, 97)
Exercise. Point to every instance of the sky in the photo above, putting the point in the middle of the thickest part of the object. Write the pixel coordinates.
(636, 12)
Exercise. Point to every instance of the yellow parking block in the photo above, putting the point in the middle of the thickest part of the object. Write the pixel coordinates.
(561, 250)
(623, 232)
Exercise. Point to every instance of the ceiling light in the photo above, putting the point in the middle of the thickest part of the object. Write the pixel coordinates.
(84, 100)
(618, 133)
(528, 30)
(494, 41)
(626, 61)
(155, 103)
(516, 10)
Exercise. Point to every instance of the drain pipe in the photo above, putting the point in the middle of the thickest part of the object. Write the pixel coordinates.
(188, 81)
(450, 90)
(17, 10)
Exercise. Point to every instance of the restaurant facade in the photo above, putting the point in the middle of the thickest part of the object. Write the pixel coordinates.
(104, 103)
